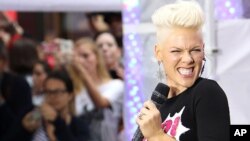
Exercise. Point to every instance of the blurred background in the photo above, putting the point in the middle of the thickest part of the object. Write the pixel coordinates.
(226, 33)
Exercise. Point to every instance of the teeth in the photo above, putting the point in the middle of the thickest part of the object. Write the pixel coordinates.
(185, 71)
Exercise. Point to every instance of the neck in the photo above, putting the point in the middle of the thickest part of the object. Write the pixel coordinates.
(174, 90)
(95, 77)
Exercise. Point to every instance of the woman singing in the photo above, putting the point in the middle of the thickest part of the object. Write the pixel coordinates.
(196, 108)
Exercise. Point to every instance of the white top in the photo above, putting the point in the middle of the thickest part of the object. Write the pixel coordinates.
(37, 100)
(112, 90)
(106, 128)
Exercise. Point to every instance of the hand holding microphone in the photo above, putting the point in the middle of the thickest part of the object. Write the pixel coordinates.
(149, 119)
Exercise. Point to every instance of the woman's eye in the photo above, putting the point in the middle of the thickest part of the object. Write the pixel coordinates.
(85, 55)
(175, 51)
(110, 45)
(99, 46)
(197, 50)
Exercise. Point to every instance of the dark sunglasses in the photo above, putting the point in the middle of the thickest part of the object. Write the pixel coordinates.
(55, 92)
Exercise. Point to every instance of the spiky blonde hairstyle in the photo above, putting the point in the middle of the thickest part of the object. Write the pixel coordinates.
(181, 14)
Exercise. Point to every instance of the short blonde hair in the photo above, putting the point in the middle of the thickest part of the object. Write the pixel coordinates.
(181, 14)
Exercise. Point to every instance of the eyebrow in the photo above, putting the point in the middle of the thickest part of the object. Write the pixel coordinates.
(175, 48)
(196, 46)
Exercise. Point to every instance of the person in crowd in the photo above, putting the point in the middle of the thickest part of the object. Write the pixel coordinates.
(196, 109)
(100, 98)
(22, 57)
(15, 101)
(97, 22)
(40, 72)
(111, 21)
(55, 50)
(16, 93)
(3, 67)
(114, 20)
(10, 31)
(112, 53)
(55, 120)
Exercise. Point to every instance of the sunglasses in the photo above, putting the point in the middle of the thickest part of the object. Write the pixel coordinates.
(55, 92)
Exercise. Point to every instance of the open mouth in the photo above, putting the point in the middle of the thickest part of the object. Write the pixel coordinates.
(186, 72)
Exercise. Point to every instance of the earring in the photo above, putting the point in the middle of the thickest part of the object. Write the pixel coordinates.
(159, 73)
(203, 67)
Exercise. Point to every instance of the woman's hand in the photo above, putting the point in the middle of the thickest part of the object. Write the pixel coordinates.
(120, 72)
(149, 120)
(48, 112)
(77, 64)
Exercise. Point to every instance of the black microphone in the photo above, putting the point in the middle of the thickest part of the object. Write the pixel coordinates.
(158, 97)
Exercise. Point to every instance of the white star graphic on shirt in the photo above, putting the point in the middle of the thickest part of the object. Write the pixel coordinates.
(180, 129)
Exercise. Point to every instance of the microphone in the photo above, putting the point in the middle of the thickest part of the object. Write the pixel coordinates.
(158, 97)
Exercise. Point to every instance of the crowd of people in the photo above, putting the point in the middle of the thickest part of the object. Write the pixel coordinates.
(60, 89)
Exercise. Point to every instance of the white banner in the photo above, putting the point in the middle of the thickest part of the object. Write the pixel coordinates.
(61, 5)
(233, 67)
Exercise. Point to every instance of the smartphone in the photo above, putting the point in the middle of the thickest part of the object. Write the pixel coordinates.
(36, 115)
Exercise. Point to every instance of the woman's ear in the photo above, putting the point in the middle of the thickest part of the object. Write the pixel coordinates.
(158, 54)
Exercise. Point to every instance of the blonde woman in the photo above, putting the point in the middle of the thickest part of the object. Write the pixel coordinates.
(196, 108)
(112, 53)
(99, 97)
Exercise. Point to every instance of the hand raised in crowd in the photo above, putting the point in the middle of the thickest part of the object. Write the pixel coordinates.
(31, 122)
(48, 112)
(77, 65)
(99, 23)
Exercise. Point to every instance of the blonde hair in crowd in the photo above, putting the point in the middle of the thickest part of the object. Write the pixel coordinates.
(101, 69)
(181, 14)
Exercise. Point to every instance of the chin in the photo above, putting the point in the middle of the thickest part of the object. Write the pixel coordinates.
(188, 82)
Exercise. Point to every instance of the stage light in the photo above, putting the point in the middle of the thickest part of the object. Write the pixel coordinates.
(228, 9)
(133, 67)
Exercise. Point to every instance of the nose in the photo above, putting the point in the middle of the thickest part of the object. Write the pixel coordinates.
(104, 47)
(187, 58)
(51, 96)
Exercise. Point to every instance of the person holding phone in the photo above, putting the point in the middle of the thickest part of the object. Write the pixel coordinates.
(55, 120)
